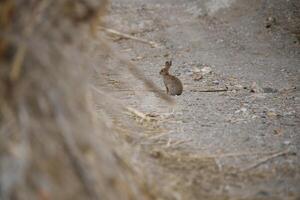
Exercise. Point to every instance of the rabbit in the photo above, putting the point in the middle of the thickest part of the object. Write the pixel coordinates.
(172, 83)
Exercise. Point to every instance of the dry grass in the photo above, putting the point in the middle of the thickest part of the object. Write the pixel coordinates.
(53, 143)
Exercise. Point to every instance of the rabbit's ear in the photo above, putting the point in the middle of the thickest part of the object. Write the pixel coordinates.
(168, 64)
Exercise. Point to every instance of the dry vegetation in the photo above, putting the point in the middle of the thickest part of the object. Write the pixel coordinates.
(53, 145)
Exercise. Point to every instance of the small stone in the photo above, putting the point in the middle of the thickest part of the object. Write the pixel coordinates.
(270, 21)
(237, 111)
(239, 87)
(272, 114)
(196, 70)
(255, 88)
(206, 70)
(243, 109)
(137, 58)
(197, 76)
(278, 131)
(215, 82)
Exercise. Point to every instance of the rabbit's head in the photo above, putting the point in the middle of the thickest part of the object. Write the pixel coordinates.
(165, 70)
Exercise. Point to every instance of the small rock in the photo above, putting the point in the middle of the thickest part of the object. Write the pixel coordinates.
(137, 58)
(239, 87)
(206, 70)
(278, 131)
(197, 76)
(272, 114)
(255, 88)
(270, 21)
(196, 70)
(243, 109)
(287, 142)
(215, 82)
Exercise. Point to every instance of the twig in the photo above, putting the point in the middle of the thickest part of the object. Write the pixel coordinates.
(266, 159)
(179, 142)
(242, 154)
(137, 113)
(17, 63)
(216, 156)
(144, 117)
(192, 90)
(211, 90)
(159, 136)
(151, 43)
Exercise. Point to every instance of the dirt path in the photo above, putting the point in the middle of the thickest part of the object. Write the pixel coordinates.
(221, 145)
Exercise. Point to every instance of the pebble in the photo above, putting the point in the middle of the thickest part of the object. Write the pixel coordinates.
(216, 82)
(239, 87)
(196, 70)
(255, 88)
(197, 77)
(206, 70)
(243, 109)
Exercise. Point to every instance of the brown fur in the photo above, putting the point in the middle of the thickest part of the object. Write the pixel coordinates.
(172, 83)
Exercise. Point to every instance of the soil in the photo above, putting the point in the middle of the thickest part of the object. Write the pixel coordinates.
(242, 143)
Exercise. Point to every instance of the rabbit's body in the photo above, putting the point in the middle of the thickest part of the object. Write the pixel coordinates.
(172, 83)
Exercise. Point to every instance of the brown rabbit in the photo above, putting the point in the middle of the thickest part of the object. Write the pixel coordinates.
(172, 83)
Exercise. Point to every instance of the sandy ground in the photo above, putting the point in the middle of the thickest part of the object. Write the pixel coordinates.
(235, 144)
